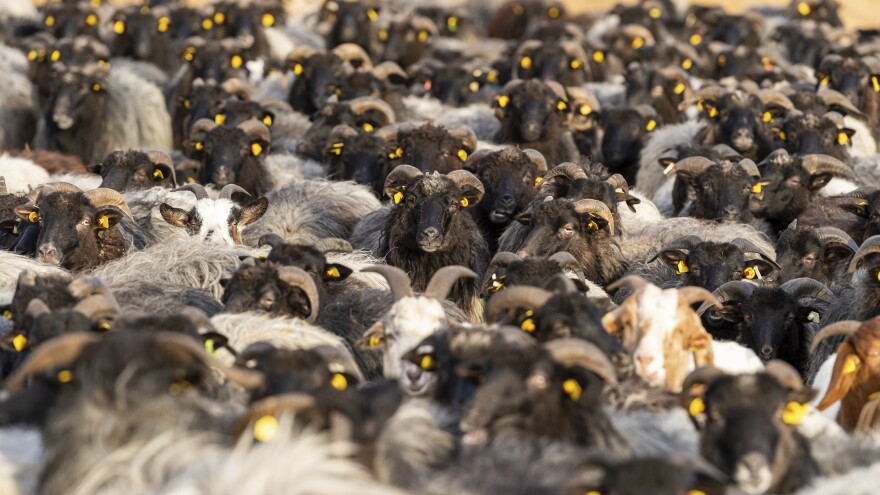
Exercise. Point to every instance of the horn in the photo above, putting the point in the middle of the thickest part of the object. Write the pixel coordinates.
(236, 86)
(179, 342)
(750, 168)
(87, 286)
(598, 208)
(568, 170)
(736, 289)
(230, 189)
(557, 89)
(98, 306)
(252, 351)
(560, 284)
(537, 158)
(26, 278)
(402, 174)
(618, 182)
(160, 157)
(711, 93)
(746, 246)
(688, 242)
(57, 352)
(254, 127)
(726, 151)
(465, 134)
(504, 258)
(103, 196)
(301, 53)
(202, 126)
(632, 282)
(276, 405)
(785, 373)
(832, 97)
(691, 295)
(861, 193)
(397, 279)
(271, 239)
(703, 375)
(197, 189)
(845, 327)
(826, 164)
(635, 30)
(871, 245)
(476, 157)
(297, 277)
(443, 279)
(565, 259)
(521, 296)
(694, 165)
(341, 132)
(36, 307)
(833, 234)
(464, 178)
(576, 352)
(361, 105)
(339, 360)
(333, 245)
(835, 118)
(807, 287)
(387, 69)
(774, 97)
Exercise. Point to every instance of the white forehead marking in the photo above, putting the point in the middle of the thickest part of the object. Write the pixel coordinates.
(215, 216)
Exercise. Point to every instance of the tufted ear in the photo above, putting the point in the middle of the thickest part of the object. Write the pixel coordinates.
(252, 211)
(174, 216)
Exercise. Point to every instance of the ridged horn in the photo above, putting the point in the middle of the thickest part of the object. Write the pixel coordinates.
(197, 189)
(297, 277)
(443, 279)
(815, 164)
(576, 352)
(833, 234)
(871, 245)
(58, 352)
(734, 290)
(230, 189)
(520, 296)
(593, 207)
(845, 327)
(397, 279)
(103, 196)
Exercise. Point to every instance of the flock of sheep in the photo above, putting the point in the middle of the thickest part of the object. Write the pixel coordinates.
(388, 246)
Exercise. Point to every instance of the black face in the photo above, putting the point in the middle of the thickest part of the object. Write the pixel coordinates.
(258, 288)
(787, 191)
(234, 111)
(848, 75)
(509, 178)
(432, 203)
(809, 134)
(10, 224)
(213, 61)
(136, 34)
(572, 315)
(352, 22)
(67, 21)
(405, 42)
(290, 371)
(710, 265)
(552, 62)
(531, 112)
(226, 153)
(800, 253)
(428, 148)
(75, 97)
(769, 322)
(318, 78)
(625, 130)
(533, 271)
(739, 117)
(357, 157)
(722, 192)
(132, 171)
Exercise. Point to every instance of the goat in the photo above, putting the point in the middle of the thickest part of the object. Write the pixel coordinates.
(215, 216)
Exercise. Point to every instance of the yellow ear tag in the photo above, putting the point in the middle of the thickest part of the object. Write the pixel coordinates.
(207, 24)
(18, 342)
(397, 153)
(679, 88)
(375, 340)
(572, 388)
(158, 174)
(599, 56)
(804, 9)
(876, 82)
(757, 188)
(145, 9)
(367, 127)
(7, 314)
(256, 149)
(33, 217)
(268, 20)
(220, 119)
(553, 12)
(638, 42)
(104, 326)
(96, 87)
(199, 146)
(722, 60)
(538, 180)
(163, 24)
(373, 15)
(209, 347)
(452, 24)
(561, 106)
(332, 272)
(749, 273)
(794, 413)
(873, 396)
(297, 69)
(526, 63)
(767, 117)
(576, 64)
(842, 138)
(190, 180)
(593, 225)
(696, 492)
(32, 55)
(655, 13)
(55, 56)
(528, 325)
(383, 35)
(849, 366)
(696, 407)
(427, 363)
(104, 222)
(339, 382)
(50, 21)
(518, 10)
(398, 197)
(503, 101)
(188, 56)
(219, 18)
(652, 124)
(464, 202)
(336, 149)
(782, 135)
(91, 19)
(65, 376)
(682, 267)
(119, 27)
(492, 76)
(423, 36)
(462, 155)
(825, 80)
(236, 61)
(687, 64)
(96, 3)
(474, 86)
(265, 428)
(713, 112)
(267, 120)
(585, 110)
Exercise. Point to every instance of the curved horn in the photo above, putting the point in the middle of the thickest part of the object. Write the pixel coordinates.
(273, 240)
(291, 404)
(443, 279)
(703, 375)
(361, 105)
(504, 258)
(339, 360)
(774, 97)
(632, 282)
(98, 306)
(387, 69)
(475, 158)
(520, 296)
(297, 277)
(537, 158)
(710, 93)
(230, 189)
(736, 289)
(832, 97)
(560, 284)
(352, 52)
(845, 327)
(576, 352)
(833, 234)
(237, 87)
(342, 131)
(162, 158)
(464, 178)
(254, 127)
(807, 287)
(57, 352)
(635, 30)
(688, 242)
(402, 174)
(691, 295)
(565, 260)
(618, 182)
(568, 170)
(694, 165)
(746, 246)
(36, 307)
(871, 245)
(202, 126)
(103, 196)
(750, 168)
(197, 189)
(467, 135)
(815, 164)
(397, 279)
(333, 245)
(785, 373)
(87, 286)
(591, 206)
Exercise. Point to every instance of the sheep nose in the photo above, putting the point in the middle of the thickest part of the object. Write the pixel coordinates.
(430, 233)
(766, 352)
(413, 374)
(645, 361)
(731, 211)
(506, 201)
(48, 253)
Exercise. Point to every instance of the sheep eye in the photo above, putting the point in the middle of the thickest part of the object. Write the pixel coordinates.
(538, 381)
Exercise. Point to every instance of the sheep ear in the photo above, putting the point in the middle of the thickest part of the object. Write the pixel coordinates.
(23, 212)
(334, 272)
(856, 209)
(252, 211)
(818, 181)
(107, 217)
(846, 367)
(373, 337)
(174, 216)
(523, 218)
(13, 341)
(672, 258)
(214, 341)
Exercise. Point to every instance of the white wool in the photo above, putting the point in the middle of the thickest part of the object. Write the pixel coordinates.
(734, 358)
(11, 265)
(409, 321)
(21, 456)
(821, 382)
(658, 309)
(838, 186)
(863, 143)
(21, 174)
(86, 182)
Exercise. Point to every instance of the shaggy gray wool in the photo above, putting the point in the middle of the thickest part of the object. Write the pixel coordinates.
(21, 457)
(650, 175)
(11, 265)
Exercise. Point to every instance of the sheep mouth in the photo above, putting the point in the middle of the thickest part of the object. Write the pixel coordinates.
(500, 216)
(475, 437)
(64, 122)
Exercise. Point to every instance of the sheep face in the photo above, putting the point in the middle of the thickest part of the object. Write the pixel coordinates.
(849, 76)
(722, 192)
(710, 265)
(212, 61)
(430, 148)
(407, 39)
(260, 287)
(134, 170)
(77, 94)
(296, 370)
(788, 187)
(509, 177)
(801, 253)
(806, 133)
(235, 112)
(738, 122)
(564, 62)
(137, 33)
(318, 76)
(231, 155)
(215, 220)
(625, 131)
(409, 321)
(69, 20)
(530, 111)
(73, 232)
(357, 156)
(10, 224)
(352, 22)
(572, 315)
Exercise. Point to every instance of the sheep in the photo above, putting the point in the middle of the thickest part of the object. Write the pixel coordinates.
(852, 77)
(95, 111)
(367, 114)
(232, 155)
(860, 300)
(822, 254)
(534, 114)
(144, 35)
(126, 170)
(776, 323)
(406, 39)
(563, 61)
(513, 19)
(429, 147)
(508, 270)
(854, 376)
(662, 345)
(425, 229)
(626, 131)
(18, 112)
(215, 216)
